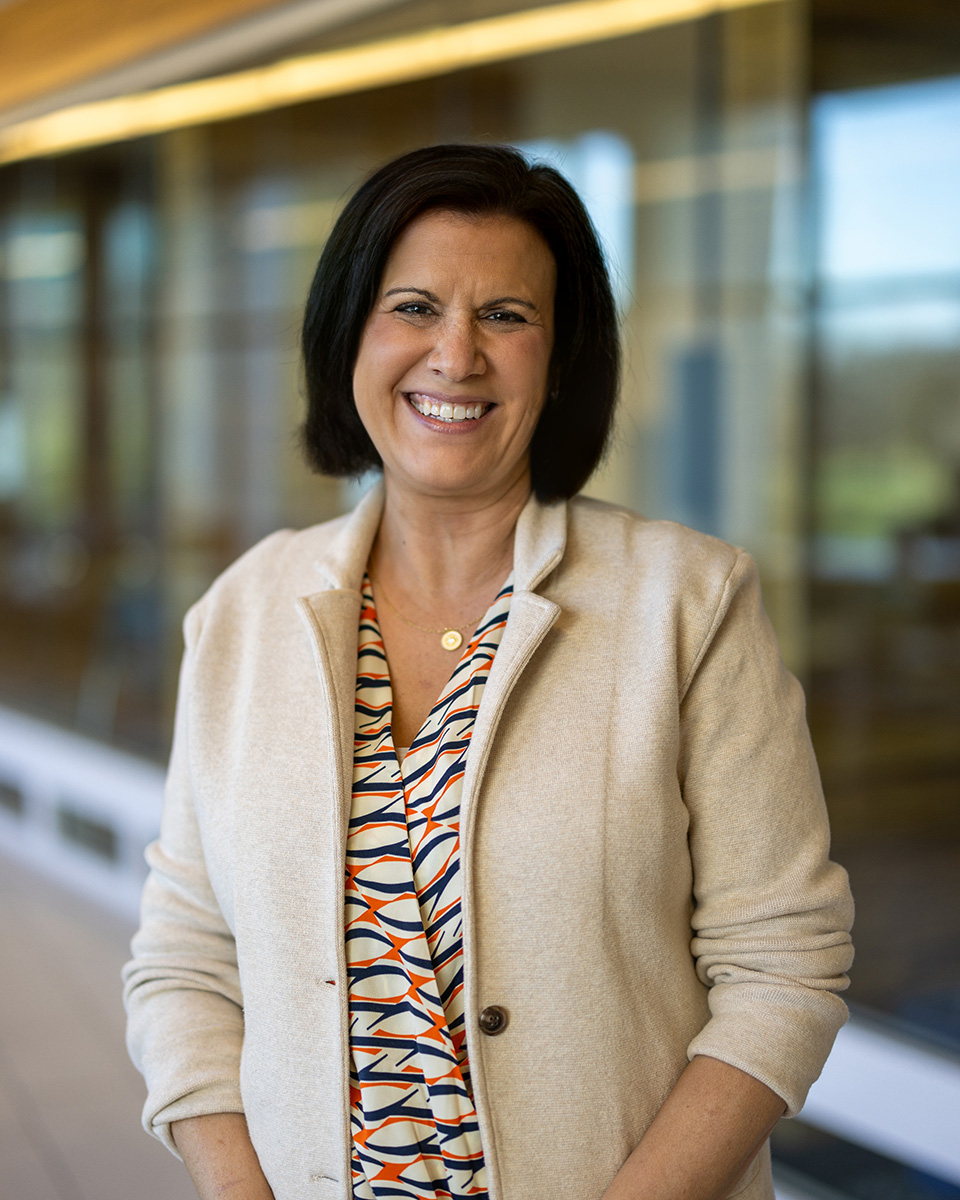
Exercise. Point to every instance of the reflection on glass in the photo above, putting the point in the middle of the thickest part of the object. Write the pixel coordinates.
(600, 166)
(886, 592)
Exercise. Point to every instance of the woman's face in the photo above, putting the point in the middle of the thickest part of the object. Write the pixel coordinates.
(452, 369)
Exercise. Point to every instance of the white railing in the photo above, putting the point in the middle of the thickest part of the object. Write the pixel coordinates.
(892, 1093)
(78, 810)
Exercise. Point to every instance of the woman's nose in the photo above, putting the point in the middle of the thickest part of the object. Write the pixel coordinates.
(456, 354)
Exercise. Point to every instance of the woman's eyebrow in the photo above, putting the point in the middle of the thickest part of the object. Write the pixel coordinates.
(394, 291)
(417, 291)
(511, 300)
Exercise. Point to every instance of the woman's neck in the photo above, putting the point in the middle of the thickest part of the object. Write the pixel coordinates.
(437, 554)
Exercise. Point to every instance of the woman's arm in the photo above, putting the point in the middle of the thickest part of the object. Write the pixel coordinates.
(770, 915)
(182, 988)
(704, 1137)
(220, 1157)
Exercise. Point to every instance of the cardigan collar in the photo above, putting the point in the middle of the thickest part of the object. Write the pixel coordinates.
(344, 560)
(538, 546)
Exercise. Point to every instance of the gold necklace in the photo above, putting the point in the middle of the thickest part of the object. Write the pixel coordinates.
(451, 637)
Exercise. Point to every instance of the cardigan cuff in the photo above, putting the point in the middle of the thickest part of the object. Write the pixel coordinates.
(779, 1035)
(222, 1096)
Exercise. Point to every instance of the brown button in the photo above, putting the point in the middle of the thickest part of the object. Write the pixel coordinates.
(493, 1020)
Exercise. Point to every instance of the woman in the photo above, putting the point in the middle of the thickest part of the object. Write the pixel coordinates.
(577, 940)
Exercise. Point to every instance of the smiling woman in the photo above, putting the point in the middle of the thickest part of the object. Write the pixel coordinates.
(549, 918)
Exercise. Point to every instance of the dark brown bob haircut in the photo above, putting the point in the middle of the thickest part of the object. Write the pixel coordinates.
(477, 180)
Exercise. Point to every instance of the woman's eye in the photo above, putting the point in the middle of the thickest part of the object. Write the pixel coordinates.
(507, 316)
(414, 308)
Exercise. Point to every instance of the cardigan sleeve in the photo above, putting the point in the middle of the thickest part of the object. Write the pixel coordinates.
(182, 987)
(772, 913)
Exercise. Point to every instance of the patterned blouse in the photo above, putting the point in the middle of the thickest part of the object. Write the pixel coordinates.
(415, 1130)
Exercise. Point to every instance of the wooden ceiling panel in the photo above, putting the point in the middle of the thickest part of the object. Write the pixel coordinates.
(48, 45)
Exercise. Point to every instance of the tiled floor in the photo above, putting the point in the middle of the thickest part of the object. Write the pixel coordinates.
(69, 1099)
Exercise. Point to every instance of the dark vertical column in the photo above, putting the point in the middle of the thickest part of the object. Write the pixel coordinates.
(7, 178)
(145, 192)
(699, 371)
(98, 195)
(8, 502)
(708, 204)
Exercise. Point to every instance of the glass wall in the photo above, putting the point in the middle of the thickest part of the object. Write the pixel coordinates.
(885, 585)
(79, 498)
(151, 390)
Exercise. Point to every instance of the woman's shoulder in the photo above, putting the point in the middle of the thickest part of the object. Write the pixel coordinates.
(680, 585)
(599, 532)
(284, 562)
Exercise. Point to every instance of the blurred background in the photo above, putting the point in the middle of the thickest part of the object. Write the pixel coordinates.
(777, 183)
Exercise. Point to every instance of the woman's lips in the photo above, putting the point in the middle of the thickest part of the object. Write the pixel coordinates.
(447, 410)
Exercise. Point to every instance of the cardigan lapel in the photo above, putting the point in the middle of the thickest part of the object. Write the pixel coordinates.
(330, 617)
(538, 548)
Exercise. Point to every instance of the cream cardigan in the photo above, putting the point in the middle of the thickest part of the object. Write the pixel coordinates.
(645, 871)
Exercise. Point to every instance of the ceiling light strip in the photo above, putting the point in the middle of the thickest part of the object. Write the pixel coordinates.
(419, 55)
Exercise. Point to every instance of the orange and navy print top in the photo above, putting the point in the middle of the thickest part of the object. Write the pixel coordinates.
(414, 1125)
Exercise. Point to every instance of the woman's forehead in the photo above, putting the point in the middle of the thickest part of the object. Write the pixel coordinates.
(456, 245)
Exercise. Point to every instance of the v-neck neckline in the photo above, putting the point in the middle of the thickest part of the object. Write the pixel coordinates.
(470, 647)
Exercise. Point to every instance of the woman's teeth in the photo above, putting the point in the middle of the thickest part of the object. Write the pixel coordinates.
(446, 412)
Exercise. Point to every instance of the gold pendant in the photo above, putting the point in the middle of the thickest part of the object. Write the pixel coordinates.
(451, 640)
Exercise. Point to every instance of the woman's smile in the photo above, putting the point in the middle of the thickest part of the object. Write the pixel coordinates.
(448, 410)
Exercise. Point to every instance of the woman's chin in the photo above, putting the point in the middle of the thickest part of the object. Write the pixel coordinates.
(449, 476)
(448, 485)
